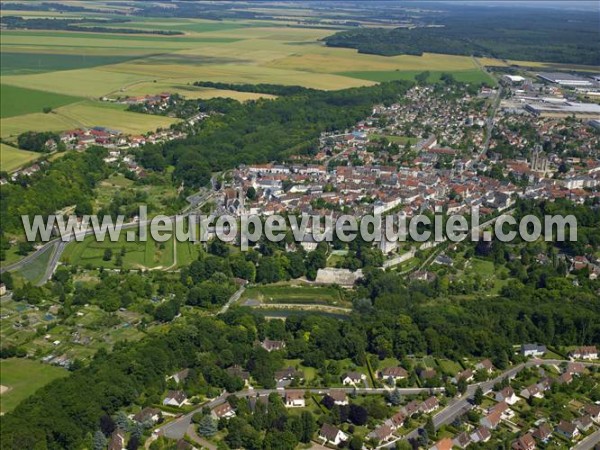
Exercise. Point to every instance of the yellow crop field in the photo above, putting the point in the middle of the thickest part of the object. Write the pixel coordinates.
(12, 158)
(89, 114)
(80, 82)
(13, 126)
(230, 73)
(84, 114)
(325, 59)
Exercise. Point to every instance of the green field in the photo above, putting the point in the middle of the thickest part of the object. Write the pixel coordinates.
(12, 158)
(137, 254)
(35, 270)
(23, 377)
(15, 101)
(24, 63)
(86, 113)
(401, 140)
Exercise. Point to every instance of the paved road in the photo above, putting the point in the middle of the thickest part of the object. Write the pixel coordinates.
(458, 407)
(234, 298)
(177, 428)
(589, 442)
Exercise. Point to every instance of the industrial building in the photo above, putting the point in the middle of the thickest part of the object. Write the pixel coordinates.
(514, 79)
(545, 109)
(564, 79)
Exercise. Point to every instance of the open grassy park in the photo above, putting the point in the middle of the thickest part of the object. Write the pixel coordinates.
(22, 377)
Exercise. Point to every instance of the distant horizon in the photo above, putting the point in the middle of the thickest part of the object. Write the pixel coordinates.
(551, 4)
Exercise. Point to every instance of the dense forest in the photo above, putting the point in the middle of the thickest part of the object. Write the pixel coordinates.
(260, 88)
(566, 37)
(266, 130)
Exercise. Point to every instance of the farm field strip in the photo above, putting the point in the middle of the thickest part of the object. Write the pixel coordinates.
(11, 158)
(84, 114)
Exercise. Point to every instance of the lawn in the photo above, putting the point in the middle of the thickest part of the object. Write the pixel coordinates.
(23, 377)
(483, 267)
(400, 140)
(449, 367)
(12, 158)
(34, 270)
(137, 255)
(15, 101)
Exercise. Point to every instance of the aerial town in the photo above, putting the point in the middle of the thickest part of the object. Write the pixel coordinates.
(141, 140)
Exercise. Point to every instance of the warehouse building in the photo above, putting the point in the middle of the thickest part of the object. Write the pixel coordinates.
(544, 109)
(564, 79)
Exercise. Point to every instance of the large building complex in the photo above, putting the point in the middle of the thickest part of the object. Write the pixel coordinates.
(565, 79)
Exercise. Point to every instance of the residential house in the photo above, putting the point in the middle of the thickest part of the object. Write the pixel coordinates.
(586, 352)
(564, 378)
(393, 374)
(533, 350)
(429, 405)
(288, 374)
(462, 440)
(175, 398)
(593, 411)
(481, 434)
(584, 423)
(237, 371)
(117, 440)
(575, 368)
(338, 397)
(271, 346)
(466, 375)
(443, 444)
(532, 391)
(398, 420)
(383, 433)
(353, 378)
(567, 430)
(148, 415)
(492, 420)
(222, 411)
(294, 399)
(505, 412)
(412, 408)
(543, 433)
(180, 376)
(330, 434)
(507, 395)
(525, 442)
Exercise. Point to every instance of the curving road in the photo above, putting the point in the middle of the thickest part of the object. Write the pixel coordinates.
(460, 406)
(177, 428)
